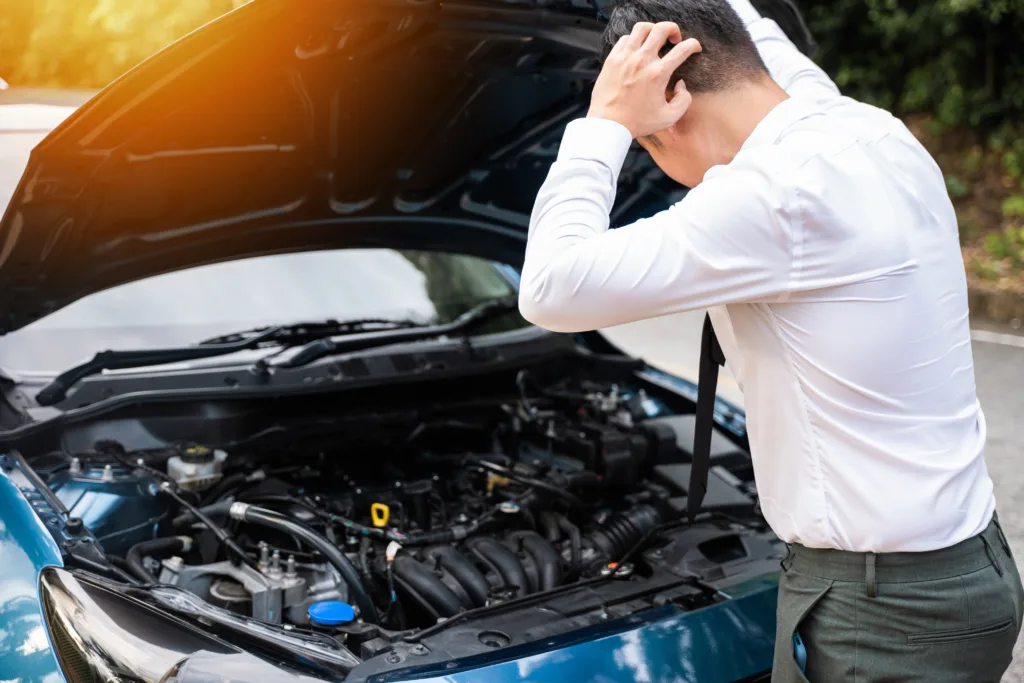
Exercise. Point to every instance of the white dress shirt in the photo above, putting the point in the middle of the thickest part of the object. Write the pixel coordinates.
(828, 254)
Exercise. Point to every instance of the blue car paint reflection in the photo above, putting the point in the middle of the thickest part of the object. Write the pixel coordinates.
(26, 546)
(727, 642)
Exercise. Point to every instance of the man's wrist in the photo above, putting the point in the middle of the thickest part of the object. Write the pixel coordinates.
(607, 115)
(596, 139)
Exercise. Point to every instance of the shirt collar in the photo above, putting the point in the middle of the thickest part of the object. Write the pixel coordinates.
(772, 126)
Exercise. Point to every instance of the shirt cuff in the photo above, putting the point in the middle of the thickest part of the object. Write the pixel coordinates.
(746, 11)
(600, 140)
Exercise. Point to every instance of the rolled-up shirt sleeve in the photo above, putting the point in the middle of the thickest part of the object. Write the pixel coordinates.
(729, 240)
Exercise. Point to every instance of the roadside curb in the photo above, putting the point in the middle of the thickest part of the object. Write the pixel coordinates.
(1005, 308)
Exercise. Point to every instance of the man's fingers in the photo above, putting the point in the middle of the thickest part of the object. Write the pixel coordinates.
(619, 46)
(639, 34)
(660, 33)
(679, 54)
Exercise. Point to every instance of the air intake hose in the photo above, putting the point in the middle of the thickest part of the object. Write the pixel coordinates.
(622, 531)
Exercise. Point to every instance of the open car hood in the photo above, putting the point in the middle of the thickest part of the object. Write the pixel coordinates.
(290, 126)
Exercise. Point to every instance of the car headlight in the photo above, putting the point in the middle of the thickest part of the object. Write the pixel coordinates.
(100, 635)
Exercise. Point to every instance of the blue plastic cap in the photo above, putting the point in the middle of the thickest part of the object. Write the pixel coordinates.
(331, 612)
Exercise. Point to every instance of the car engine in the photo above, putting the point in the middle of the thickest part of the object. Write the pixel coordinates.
(390, 522)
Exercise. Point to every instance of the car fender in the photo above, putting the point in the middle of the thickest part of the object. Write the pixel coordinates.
(26, 546)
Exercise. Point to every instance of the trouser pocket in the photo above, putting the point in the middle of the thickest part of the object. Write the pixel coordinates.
(957, 635)
(799, 594)
(1011, 574)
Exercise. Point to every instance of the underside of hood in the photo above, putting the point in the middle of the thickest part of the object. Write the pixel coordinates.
(288, 126)
(293, 125)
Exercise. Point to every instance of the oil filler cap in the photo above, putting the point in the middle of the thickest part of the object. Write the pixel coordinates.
(331, 612)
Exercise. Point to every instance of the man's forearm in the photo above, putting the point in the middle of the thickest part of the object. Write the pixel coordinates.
(572, 205)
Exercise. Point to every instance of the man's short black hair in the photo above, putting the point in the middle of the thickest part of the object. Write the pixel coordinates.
(728, 56)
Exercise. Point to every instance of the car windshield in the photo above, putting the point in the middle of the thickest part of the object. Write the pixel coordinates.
(187, 306)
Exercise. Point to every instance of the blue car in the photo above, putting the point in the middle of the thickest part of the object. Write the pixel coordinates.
(268, 412)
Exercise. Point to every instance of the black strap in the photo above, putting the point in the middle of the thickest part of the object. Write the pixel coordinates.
(711, 358)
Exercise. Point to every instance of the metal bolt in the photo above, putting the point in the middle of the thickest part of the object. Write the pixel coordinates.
(393, 658)
(419, 650)
(76, 467)
(108, 474)
(275, 561)
(290, 566)
(264, 553)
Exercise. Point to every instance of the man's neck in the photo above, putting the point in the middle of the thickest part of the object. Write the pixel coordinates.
(727, 119)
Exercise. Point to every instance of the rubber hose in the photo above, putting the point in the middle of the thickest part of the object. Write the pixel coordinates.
(223, 486)
(501, 561)
(273, 520)
(620, 532)
(458, 565)
(549, 523)
(549, 569)
(158, 547)
(218, 509)
(575, 539)
(425, 587)
(120, 569)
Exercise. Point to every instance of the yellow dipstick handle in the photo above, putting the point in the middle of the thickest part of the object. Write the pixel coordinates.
(380, 513)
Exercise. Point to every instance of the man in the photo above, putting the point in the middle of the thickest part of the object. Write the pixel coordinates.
(819, 233)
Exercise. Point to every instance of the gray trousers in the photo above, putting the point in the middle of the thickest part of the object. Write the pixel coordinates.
(946, 616)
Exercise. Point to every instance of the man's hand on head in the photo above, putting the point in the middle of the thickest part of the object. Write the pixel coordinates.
(631, 88)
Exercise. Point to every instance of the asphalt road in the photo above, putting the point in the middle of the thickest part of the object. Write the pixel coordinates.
(673, 344)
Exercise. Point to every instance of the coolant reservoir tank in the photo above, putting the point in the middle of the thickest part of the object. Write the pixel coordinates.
(196, 467)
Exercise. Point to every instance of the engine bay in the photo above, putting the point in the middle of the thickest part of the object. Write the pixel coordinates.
(448, 529)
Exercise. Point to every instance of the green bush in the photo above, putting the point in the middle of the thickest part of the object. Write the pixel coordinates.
(1013, 207)
(960, 60)
(996, 247)
(957, 188)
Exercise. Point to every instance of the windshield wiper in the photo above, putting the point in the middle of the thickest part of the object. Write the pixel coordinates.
(57, 389)
(281, 335)
(302, 332)
(462, 325)
(314, 335)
